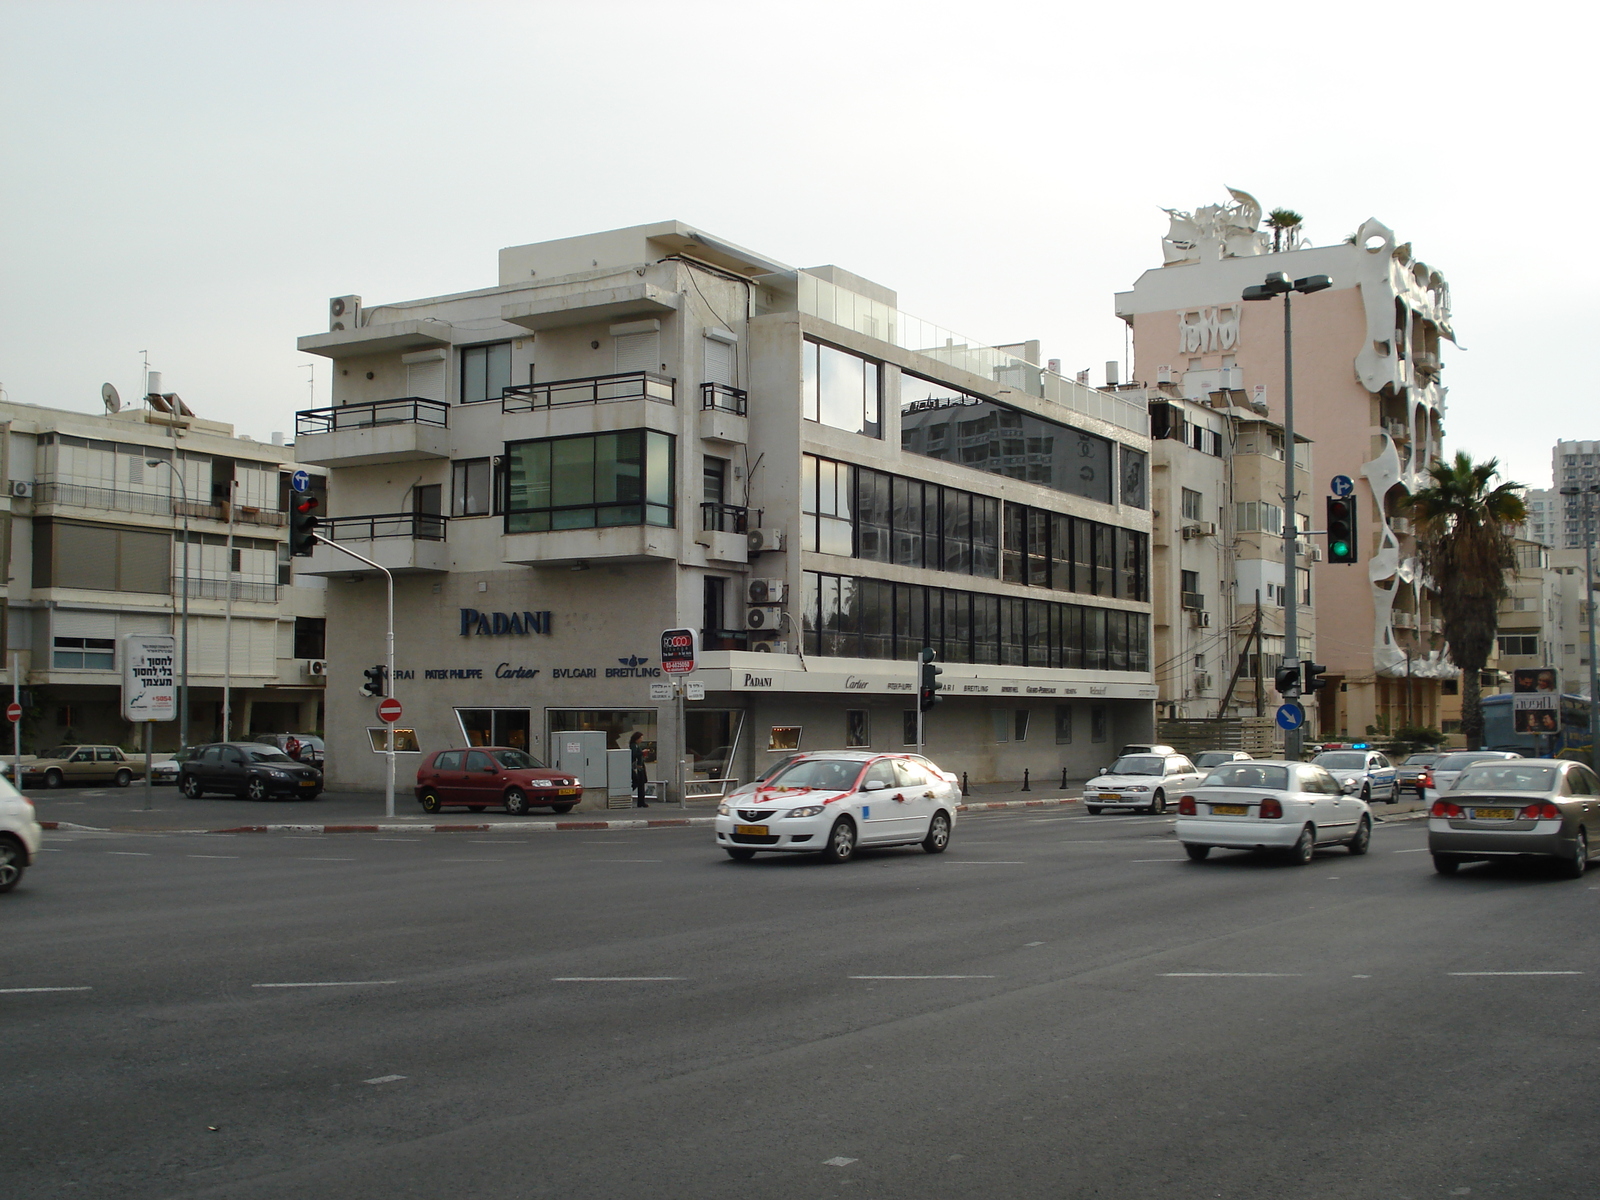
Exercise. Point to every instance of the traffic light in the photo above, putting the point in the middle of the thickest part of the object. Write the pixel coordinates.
(377, 683)
(1341, 529)
(1313, 681)
(303, 524)
(928, 683)
(1288, 681)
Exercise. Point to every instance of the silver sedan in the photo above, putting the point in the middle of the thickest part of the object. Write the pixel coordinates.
(1526, 806)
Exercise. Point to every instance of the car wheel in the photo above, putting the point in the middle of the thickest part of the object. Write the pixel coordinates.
(565, 808)
(516, 801)
(1362, 839)
(1198, 853)
(429, 801)
(841, 845)
(11, 864)
(1366, 793)
(124, 777)
(1092, 809)
(53, 779)
(938, 834)
(1580, 858)
(1446, 864)
(1304, 848)
(256, 789)
(740, 853)
(192, 788)
(1158, 802)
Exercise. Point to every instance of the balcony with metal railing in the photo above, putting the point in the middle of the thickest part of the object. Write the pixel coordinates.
(406, 543)
(588, 389)
(723, 412)
(404, 430)
(724, 531)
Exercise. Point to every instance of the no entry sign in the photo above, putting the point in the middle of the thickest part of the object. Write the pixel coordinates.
(389, 710)
(13, 711)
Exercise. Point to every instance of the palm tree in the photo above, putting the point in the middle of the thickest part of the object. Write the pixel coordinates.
(1463, 529)
(1280, 221)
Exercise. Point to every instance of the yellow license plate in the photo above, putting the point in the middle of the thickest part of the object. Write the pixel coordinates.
(1229, 810)
(1111, 795)
(1495, 814)
(567, 791)
(308, 783)
(751, 830)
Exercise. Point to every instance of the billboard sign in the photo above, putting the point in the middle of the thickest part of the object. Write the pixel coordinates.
(149, 677)
(678, 648)
(1530, 680)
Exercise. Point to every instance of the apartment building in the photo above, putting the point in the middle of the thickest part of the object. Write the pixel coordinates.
(1369, 394)
(1575, 467)
(96, 539)
(652, 428)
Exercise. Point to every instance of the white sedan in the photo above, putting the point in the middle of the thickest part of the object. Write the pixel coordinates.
(1144, 781)
(830, 803)
(1287, 807)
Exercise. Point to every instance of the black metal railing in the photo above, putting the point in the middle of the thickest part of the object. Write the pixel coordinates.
(723, 398)
(222, 589)
(409, 410)
(723, 518)
(419, 527)
(591, 389)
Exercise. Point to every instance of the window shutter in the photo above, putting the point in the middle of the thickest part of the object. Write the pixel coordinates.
(78, 624)
(719, 362)
(638, 352)
(425, 379)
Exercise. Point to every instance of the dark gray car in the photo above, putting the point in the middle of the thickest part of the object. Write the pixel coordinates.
(249, 769)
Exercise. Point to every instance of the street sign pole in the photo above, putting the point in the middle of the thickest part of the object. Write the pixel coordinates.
(388, 657)
(16, 726)
(680, 649)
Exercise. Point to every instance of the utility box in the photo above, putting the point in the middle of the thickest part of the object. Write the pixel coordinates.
(582, 753)
(619, 772)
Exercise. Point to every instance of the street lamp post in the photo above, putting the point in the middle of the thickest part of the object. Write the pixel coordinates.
(1588, 494)
(183, 654)
(1279, 284)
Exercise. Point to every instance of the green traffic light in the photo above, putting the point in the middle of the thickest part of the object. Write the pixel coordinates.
(1340, 549)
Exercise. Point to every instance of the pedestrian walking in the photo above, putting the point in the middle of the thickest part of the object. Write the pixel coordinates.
(636, 749)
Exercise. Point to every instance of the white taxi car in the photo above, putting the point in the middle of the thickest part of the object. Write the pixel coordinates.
(832, 802)
(1289, 807)
(1144, 781)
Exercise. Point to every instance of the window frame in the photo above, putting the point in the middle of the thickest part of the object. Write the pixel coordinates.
(463, 355)
(650, 489)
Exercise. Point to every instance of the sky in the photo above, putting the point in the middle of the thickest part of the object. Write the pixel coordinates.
(194, 180)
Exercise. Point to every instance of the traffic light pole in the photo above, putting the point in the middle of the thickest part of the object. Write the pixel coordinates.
(388, 658)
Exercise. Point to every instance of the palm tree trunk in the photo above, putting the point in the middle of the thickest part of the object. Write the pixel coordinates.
(1472, 708)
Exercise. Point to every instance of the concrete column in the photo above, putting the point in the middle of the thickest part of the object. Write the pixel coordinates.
(308, 721)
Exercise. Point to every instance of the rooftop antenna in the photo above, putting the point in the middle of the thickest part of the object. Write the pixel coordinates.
(113, 402)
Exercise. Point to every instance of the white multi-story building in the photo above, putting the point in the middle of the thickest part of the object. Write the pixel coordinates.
(94, 538)
(1544, 517)
(651, 428)
(1574, 465)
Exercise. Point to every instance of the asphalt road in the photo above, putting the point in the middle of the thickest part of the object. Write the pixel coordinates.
(1060, 1006)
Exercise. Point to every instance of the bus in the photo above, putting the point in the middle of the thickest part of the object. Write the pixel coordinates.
(1499, 732)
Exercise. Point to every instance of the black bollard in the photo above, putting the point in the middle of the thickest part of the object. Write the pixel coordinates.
(1063, 779)
(964, 791)
(1025, 786)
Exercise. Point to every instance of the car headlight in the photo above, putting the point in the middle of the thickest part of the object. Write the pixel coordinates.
(809, 810)
(277, 774)
(542, 783)
(1136, 788)
(722, 810)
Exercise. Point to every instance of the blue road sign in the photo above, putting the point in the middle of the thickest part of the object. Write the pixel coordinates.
(1342, 485)
(1291, 716)
(300, 481)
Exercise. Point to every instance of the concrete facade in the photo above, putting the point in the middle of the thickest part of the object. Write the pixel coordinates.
(871, 475)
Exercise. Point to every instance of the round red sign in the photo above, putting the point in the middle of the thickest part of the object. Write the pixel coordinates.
(13, 711)
(389, 710)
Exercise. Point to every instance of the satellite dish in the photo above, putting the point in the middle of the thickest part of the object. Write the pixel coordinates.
(112, 400)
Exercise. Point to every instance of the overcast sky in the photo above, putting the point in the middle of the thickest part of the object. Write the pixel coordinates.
(196, 179)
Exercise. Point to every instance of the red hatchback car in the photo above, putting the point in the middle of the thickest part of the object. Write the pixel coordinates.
(492, 777)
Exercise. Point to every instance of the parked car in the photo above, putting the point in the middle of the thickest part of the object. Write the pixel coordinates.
(1207, 759)
(1288, 807)
(1371, 772)
(1416, 773)
(20, 836)
(302, 747)
(1144, 781)
(1500, 808)
(249, 769)
(1448, 768)
(493, 777)
(834, 801)
(165, 766)
(76, 765)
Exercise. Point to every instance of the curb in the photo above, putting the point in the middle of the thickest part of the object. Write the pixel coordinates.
(987, 806)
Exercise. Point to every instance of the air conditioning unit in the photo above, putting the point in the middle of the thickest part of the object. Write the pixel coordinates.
(771, 647)
(1316, 554)
(763, 617)
(1202, 681)
(344, 312)
(769, 538)
(1200, 618)
(20, 489)
(1199, 529)
(766, 591)
(316, 666)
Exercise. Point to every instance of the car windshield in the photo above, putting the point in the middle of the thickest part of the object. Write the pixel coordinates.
(774, 768)
(827, 774)
(517, 760)
(1455, 762)
(1342, 760)
(1423, 760)
(267, 754)
(1214, 758)
(60, 752)
(1506, 777)
(1138, 764)
(1249, 775)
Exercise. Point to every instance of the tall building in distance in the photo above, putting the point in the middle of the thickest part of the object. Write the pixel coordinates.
(1574, 465)
(1368, 393)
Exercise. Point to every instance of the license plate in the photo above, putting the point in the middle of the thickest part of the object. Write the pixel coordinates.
(566, 791)
(1229, 810)
(1111, 795)
(308, 783)
(751, 830)
(1495, 814)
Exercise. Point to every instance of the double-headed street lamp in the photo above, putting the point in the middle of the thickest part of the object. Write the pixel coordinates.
(183, 656)
(1588, 494)
(1279, 284)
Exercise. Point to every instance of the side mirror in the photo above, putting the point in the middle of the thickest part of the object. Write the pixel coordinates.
(874, 785)
(1349, 787)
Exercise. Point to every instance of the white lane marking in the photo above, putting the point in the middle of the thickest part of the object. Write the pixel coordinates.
(924, 976)
(1473, 973)
(331, 983)
(986, 862)
(19, 991)
(625, 860)
(1230, 975)
(1418, 850)
(1035, 943)
(413, 841)
(131, 853)
(304, 837)
(59, 850)
(840, 1161)
(1361, 977)
(385, 1079)
(1147, 860)
(617, 978)
(302, 858)
(211, 856)
(454, 860)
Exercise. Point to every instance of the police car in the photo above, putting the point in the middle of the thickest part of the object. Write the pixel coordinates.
(1374, 775)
